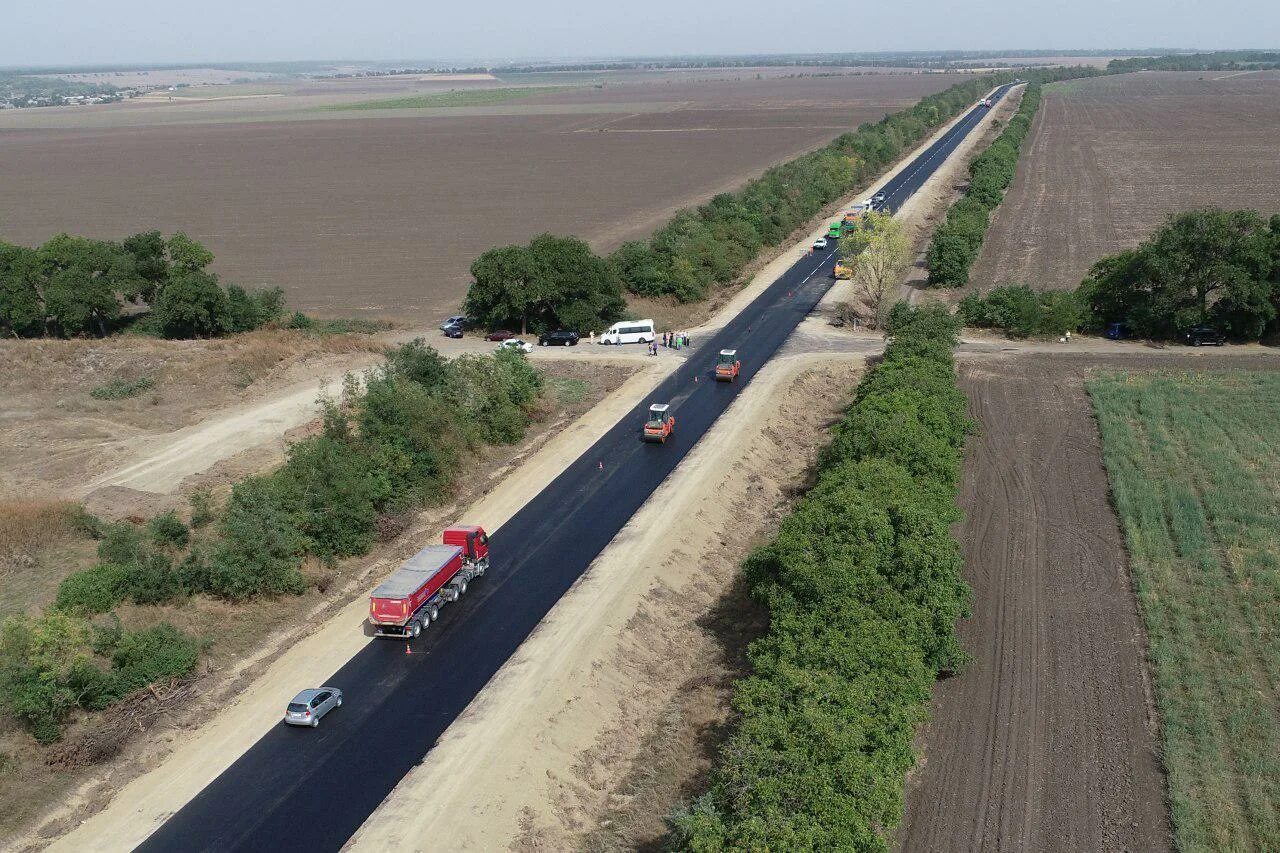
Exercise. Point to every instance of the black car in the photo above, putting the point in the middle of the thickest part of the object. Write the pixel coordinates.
(453, 331)
(1203, 336)
(559, 338)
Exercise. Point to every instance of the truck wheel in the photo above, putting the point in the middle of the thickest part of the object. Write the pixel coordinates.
(462, 588)
(417, 628)
(434, 614)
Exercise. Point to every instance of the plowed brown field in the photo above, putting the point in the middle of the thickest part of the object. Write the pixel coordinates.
(383, 212)
(1109, 158)
(1049, 738)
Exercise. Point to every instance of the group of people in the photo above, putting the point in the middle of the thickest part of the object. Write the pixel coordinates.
(671, 340)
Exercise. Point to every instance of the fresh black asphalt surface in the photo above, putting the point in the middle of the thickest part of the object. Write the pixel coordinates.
(311, 789)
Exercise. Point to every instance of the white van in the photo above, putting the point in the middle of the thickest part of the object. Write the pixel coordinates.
(629, 332)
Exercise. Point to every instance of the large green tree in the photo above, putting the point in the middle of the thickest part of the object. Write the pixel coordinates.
(21, 301)
(553, 282)
(1204, 266)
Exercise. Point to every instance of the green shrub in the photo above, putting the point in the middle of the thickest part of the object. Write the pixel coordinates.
(120, 389)
(50, 666)
(40, 659)
(152, 654)
(95, 590)
(260, 548)
(202, 512)
(331, 490)
(1021, 312)
(168, 531)
(121, 543)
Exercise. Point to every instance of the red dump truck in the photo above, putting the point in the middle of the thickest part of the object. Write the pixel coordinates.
(410, 600)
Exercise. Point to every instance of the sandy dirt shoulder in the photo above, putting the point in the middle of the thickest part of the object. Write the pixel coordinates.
(197, 757)
(556, 733)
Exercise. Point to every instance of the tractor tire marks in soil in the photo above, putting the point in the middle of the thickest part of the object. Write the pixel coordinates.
(1048, 740)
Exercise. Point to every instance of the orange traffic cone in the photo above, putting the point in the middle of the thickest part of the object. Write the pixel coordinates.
(601, 465)
(407, 649)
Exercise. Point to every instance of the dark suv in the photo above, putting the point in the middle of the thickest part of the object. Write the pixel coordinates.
(559, 338)
(1203, 336)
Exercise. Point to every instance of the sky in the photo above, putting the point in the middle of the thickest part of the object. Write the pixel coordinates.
(86, 32)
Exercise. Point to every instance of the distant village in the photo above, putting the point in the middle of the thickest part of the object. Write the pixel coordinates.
(17, 96)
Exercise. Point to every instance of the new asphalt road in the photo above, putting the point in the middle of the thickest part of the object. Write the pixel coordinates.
(311, 789)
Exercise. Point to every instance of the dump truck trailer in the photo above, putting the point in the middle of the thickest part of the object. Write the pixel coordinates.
(410, 600)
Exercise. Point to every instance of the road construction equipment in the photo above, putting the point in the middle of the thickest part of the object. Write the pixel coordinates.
(661, 423)
(727, 365)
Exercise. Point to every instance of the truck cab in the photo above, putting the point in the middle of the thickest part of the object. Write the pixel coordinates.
(727, 365)
(473, 541)
(660, 424)
(834, 230)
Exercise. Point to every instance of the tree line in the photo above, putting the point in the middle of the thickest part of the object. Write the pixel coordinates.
(1211, 267)
(72, 286)
(711, 245)
(863, 588)
(958, 240)
(1217, 60)
(385, 448)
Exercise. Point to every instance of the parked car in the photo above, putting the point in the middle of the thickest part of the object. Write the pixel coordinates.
(1117, 331)
(309, 706)
(516, 344)
(458, 320)
(559, 338)
(453, 331)
(1203, 336)
(499, 335)
(820, 243)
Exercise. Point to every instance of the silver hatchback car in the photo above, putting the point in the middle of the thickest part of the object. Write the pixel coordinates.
(309, 706)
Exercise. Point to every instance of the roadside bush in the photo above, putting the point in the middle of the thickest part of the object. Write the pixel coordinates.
(1021, 312)
(958, 240)
(863, 587)
(53, 665)
(331, 489)
(95, 590)
(167, 531)
(202, 512)
(260, 548)
(153, 654)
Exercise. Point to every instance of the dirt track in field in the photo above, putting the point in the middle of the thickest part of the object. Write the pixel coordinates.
(1048, 740)
(383, 213)
(1110, 158)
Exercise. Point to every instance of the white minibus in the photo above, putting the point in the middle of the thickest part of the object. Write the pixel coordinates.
(629, 332)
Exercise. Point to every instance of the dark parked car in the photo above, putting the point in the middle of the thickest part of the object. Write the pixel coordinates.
(499, 335)
(1117, 331)
(454, 331)
(560, 338)
(1203, 336)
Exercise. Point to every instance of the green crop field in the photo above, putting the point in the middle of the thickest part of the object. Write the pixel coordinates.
(451, 98)
(1194, 464)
